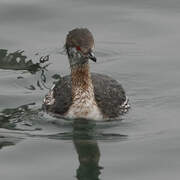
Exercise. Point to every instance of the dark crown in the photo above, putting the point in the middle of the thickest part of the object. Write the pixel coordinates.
(80, 37)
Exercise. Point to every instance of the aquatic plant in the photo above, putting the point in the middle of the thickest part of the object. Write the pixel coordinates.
(18, 61)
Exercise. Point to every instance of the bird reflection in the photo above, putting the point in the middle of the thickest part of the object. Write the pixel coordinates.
(87, 149)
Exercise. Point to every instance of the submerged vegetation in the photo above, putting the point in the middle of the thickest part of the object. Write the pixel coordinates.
(18, 61)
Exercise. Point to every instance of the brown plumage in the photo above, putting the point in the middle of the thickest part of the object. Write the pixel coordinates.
(80, 37)
(85, 94)
(81, 77)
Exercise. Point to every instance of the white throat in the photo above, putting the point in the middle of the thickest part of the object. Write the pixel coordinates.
(83, 100)
(84, 106)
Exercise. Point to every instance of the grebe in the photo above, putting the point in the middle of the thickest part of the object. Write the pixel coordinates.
(83, 94)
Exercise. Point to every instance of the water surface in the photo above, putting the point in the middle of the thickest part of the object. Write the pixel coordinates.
(137, 43)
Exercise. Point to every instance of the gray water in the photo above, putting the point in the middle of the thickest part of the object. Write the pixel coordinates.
(137, 42)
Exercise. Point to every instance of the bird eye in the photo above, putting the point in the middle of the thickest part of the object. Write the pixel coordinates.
(78, 48)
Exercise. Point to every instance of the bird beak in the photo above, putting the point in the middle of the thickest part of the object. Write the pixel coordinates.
(92, 56)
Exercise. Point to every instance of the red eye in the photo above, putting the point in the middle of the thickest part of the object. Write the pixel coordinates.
(78, 48)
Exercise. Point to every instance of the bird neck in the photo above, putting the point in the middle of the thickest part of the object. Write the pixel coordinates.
(81, 81)
(83, 98)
